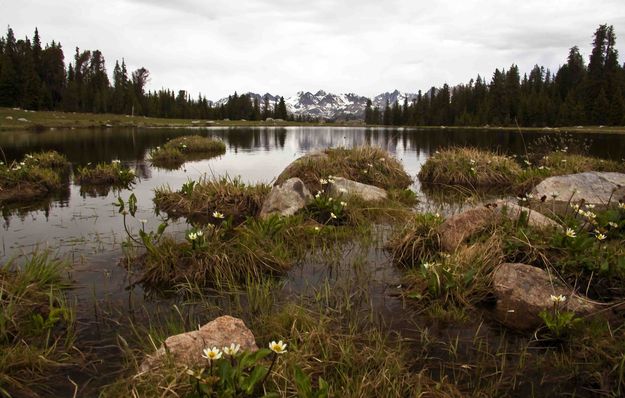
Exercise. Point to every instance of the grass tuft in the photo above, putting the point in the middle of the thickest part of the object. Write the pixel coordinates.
(469, 167)
(178, 150)
(367, 165)
(198, 201)
(105, 174)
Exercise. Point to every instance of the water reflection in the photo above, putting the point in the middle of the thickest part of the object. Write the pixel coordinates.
(255, 154)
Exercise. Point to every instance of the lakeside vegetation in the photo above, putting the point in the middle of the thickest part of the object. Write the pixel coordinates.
(180, 149)
(479, 169)
(37, 325)
(344, 296)
(32, 178)
(339, 340)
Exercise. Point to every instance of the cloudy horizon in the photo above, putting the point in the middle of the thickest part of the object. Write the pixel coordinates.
(286, 46)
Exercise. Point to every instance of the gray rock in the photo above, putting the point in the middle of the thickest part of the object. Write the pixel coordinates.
(286, 199)
(460, 227)
(185, 349)
(9, 118)
(343, 186)
(523, 291)
(21, 119)
(594, 187)
(513, 211)
(289, 171)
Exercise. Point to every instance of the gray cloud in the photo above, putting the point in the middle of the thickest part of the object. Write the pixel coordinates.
(283, 46)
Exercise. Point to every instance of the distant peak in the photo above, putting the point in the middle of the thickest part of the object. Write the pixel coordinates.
(321, 93)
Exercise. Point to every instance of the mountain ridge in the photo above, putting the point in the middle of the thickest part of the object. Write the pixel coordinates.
(327, 105)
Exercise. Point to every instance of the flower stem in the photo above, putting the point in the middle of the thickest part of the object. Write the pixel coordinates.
(273, 361)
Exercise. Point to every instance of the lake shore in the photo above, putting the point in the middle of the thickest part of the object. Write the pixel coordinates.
(18, 119)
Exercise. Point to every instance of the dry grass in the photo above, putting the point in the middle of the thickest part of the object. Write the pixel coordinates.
(417, 242)
(559, 163)
(469, 167)
(36, 325)
(368, 165)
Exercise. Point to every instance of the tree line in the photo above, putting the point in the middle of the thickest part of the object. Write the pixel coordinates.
(576, 94)
(35, 77)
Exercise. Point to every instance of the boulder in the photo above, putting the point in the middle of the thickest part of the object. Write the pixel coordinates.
(513, 211)
(342, 186)
(186, 348)
(594, 187)
(523, 291)
(286, 199)
(290, 169)
(23, 120)
(457, 228)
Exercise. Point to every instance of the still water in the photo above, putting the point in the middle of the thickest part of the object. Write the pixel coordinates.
(86, 228)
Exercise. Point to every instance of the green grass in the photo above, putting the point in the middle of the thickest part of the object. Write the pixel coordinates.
(480, 170)
(180, 149)
(105, 174)
(199, 201)
(469, 167)
(45, 119)
(33, 178)
(36, 324)
(368, 165)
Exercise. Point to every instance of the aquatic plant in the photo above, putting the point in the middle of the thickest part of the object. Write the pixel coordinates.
(113, 173)
(36, 324)
(208, 199)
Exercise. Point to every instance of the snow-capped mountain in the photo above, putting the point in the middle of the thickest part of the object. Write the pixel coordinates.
(330, 106)
(327, 105)
(395, 96)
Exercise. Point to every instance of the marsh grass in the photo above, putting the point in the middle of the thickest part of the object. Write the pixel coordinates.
(367, 165)
(225, 254)
(558, 163)
(33, 178)
(417, 242)
(36, 324)
(469, 167)
(181, 149)
(111, 174)
(198, 201)
(483, 170)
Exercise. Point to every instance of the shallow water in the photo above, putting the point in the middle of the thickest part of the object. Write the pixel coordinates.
(88, 230)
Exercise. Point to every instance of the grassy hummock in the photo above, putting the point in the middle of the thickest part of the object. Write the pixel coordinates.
(180, 149)
(478, 169)
(212, 200)
(367, 165)
(469, 167)
(105, 174)
(36, 176)
(36, 325)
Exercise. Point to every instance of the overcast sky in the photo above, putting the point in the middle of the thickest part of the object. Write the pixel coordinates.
(285, 46)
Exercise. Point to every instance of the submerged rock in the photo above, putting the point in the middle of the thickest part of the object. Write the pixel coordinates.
(186, 348)
(344, 186)
(460, 227)
(594, 187)
(286, 199)
(523, 291)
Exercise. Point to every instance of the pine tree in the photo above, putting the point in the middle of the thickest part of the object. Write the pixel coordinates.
(9, 88)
